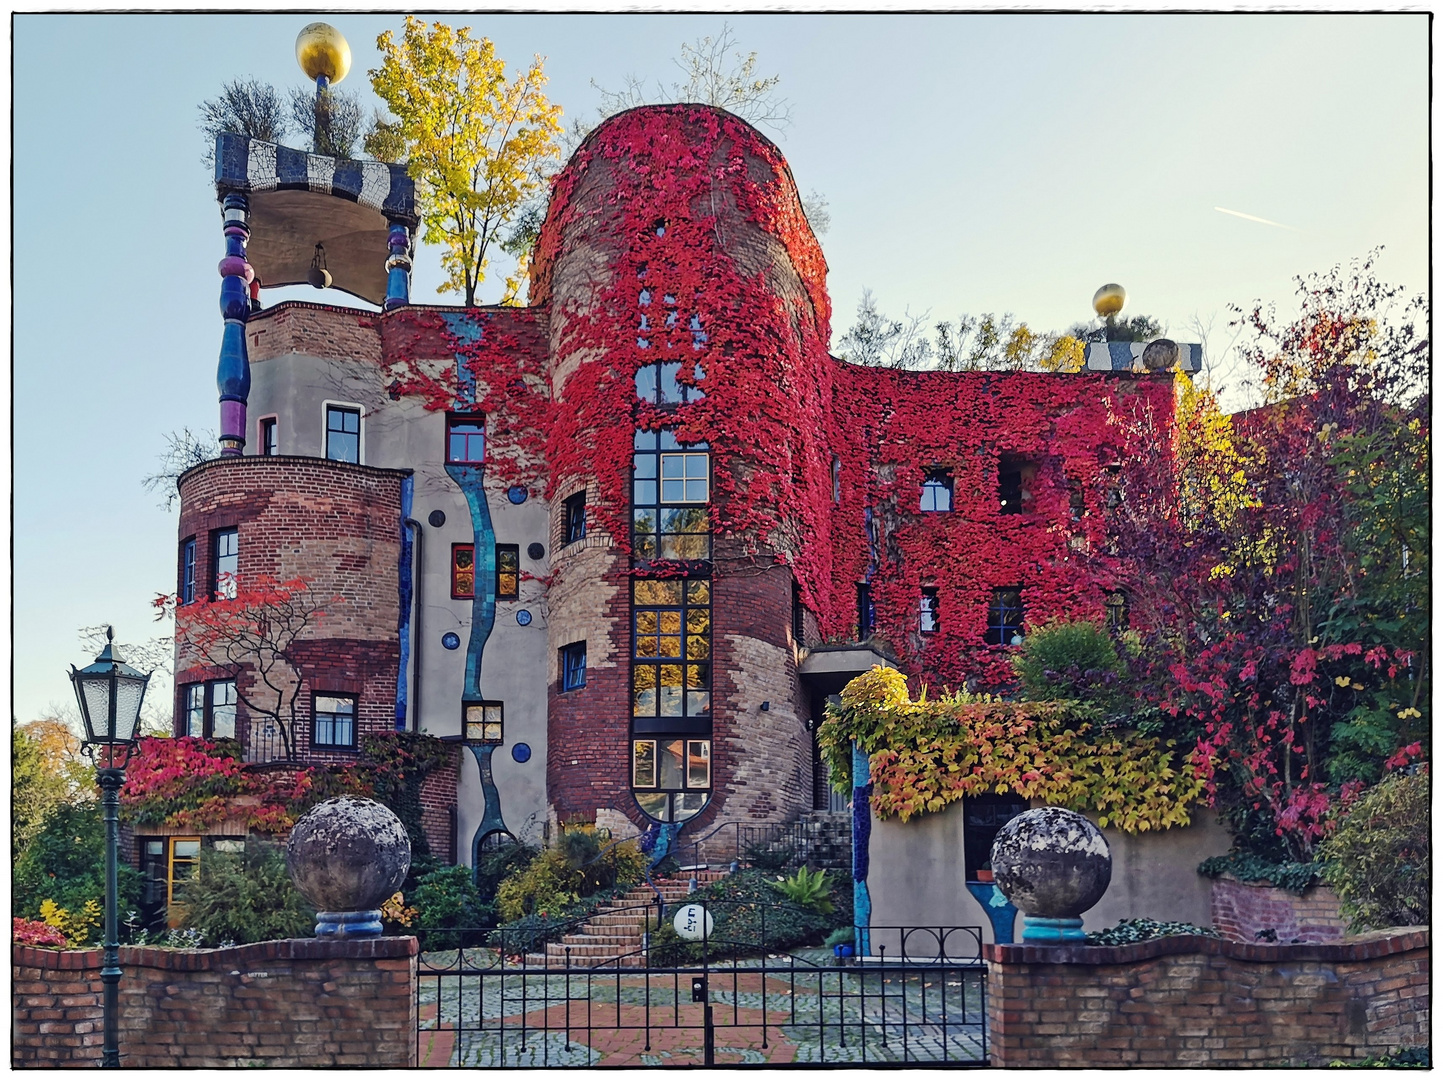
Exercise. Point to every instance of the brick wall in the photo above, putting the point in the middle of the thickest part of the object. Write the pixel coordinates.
(1242, 911)
(337, 526)
(313, 330)
(1196, 1001)
(303, 1003)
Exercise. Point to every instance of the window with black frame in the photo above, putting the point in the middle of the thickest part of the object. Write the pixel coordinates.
(671, 493)
(187, 571)
(937, 491)
(343, 434)
(333, 721)
(573, 519)
(982, 818)
(508, 571)
(1004, 617)
(224, 563)
(671, 696)
(208, 709)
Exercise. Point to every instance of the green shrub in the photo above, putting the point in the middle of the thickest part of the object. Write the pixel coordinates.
(1405, 1057)
(500, 863)
(1379, 856)
(842, 935)
(576, 867)
(446, 901)
(1130, 930)
(244, 898)
(1245, 866)
(807, 890)
(1070, 661)
(65, 862)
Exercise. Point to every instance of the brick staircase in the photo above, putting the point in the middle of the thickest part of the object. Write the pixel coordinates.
(612, 936)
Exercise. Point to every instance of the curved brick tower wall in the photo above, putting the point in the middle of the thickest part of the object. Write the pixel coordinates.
(333, 524)
(692, 205)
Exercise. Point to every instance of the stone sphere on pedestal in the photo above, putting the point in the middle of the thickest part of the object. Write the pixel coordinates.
(1053, 864)
(347, 856)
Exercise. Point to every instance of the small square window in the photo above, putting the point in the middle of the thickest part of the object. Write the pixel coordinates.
(1004, 617)
(187, 571)
(508, 571)
(343, 434)
(225, 564)
(573, 666)
(269, 445)
(937, 491)
(573, 522)
(929, 621)
(333, 721)
(482, 722)
(466, 440)
(463, 572)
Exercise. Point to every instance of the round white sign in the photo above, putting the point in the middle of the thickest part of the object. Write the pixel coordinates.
(693, 922)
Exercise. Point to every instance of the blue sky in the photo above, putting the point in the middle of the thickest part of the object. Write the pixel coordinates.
(970, 163)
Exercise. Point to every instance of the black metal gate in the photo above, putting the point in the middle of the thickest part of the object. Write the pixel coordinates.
(919, 997)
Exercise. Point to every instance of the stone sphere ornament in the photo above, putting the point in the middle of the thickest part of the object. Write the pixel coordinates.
(1053, 864)
(693, 923)
(347, 856)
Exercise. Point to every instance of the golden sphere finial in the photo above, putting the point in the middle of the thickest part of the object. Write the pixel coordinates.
(321, 49)
(1108, 300)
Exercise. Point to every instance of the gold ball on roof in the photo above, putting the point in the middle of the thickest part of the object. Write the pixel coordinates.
(321, 49)
(1109, 299)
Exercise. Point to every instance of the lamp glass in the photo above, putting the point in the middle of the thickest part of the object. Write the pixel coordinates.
(96, 689)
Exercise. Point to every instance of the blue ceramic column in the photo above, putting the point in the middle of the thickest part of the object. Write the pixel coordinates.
(398, 267)
(861, 837)
(233, 377)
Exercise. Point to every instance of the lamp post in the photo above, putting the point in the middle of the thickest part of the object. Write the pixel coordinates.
(110, 692)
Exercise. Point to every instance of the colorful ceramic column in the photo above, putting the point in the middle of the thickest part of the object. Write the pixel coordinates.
(398, 267)
(233, 378)
(861, 841)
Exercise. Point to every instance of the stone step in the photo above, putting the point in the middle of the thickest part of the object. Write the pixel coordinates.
(557, 963)
(557, 949)
(621, 941)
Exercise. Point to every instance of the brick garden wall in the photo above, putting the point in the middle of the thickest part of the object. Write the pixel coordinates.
(1196, 1001)
(1243, 911)
(304, 1003)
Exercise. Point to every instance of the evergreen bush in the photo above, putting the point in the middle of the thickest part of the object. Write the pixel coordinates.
(1379, 855)
(244, 898)
(1070, 661)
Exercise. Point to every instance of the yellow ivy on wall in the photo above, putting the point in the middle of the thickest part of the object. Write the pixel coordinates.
(926, 754)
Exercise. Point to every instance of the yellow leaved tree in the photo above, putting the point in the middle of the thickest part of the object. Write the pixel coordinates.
(477, 145)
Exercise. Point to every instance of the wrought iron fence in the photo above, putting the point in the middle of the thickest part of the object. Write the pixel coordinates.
(918, 997)
(769, 846)
(264, 743)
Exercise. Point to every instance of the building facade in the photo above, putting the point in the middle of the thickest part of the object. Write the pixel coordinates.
(621, 543)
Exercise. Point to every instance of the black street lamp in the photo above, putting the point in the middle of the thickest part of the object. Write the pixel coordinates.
(110, 692)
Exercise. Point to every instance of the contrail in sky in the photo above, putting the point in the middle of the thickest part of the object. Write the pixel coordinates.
(1250, 217)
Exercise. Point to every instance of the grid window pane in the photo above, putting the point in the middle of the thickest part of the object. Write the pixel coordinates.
(573, 666)
(929, 621)
(1004, 618)
(343, 434)
(466, 440)
(508, 571)
(195, 710)
(670, 491)
(574, 522)
(222, 709)
(670, 760)
(937, 492)
(698, 763)
(187, 572)
(463, 571)
(643, 763)
(483, 722)
(226, 564)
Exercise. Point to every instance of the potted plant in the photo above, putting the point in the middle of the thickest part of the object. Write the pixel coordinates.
(984, 872)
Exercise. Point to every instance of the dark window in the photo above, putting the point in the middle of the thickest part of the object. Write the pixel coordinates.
(333, 720)
(508, 571)
(866, 614)
(929, 621)
(187, 571)
(463, 572)
(671, 777)
(1004, 617)
(224, 564)
(208, 709)
(799, 614)
(343, 434)
(671, 489)
(1113, 479)
(1076, 505)
(658, 383)
(1115, 603)
(573, 666)
(482, 721)
(982, 818)
(573, 522)
(1009, 489)
(836, 479)
(671, 655)
(937, 491)
(268, 437)
(466, 440)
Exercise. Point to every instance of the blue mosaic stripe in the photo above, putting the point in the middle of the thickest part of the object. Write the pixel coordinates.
(861, 843)
(406, 591)
(491, 819)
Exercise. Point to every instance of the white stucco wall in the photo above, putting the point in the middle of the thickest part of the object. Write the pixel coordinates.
(916, 874)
